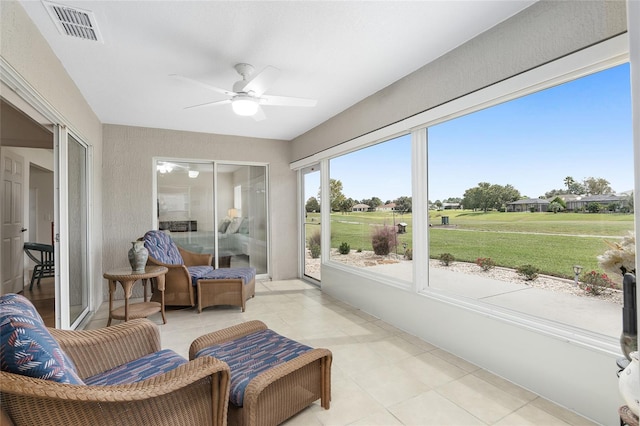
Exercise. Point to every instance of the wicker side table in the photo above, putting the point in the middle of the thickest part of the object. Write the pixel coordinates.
(127, 279)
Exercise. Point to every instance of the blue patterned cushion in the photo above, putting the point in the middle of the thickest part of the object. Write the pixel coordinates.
(198, 272)
(161, 247)
(251, 355)
(247, 274)
(26, 345)
(138, 370)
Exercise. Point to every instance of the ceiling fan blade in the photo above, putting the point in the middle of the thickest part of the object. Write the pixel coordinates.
(208, 86)
(261, 82)
(223, 102)
(287, 101)
(259, 116)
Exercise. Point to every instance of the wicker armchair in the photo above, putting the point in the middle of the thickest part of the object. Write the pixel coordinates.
(194, 393)
(183, 266)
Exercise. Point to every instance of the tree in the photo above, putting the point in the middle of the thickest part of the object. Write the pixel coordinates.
(559, 201)
(346, 205)
(335, 194)
(312, 205)
(554, 192)
(403, 204)
(593, 207)
(555, 207)
(438, 204)
(597, 186)
(486, 196)
(372, 202)
(574, 187)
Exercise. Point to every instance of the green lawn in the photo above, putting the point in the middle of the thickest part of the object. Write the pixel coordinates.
(551, 242)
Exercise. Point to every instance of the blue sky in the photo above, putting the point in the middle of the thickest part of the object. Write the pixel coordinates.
(580, 129)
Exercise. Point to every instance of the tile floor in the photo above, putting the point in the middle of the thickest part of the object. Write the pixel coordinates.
(380, 374)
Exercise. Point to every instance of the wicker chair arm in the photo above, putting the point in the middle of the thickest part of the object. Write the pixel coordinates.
(182, 393)
(261, 381)
(96, 351)
(195, 259)
(221, 336)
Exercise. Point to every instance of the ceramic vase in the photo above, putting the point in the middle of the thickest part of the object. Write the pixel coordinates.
(138, 255)
(629, 384)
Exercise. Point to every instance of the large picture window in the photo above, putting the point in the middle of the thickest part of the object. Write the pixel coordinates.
(371, 209)
(525, 195)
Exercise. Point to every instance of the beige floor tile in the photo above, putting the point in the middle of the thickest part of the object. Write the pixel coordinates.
(432, 409)
(466, 366)
(530, 416)
(560, 412)
(394, 348)
(431, 370)
(482, 399)
(505, 385)
(390, 384)
(349, 403)
(379, 418)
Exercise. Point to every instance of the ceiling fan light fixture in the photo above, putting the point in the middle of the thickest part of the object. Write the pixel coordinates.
(244, 105)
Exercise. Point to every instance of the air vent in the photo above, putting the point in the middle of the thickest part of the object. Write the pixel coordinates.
(74, 22)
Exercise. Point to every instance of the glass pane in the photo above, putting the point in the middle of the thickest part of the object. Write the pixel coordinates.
(536, 185)
(242, 215)
(312, 223)
(185, 204)
(371, 212)
(78, 214)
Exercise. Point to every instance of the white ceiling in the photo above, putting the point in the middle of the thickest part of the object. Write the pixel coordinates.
(338, 52)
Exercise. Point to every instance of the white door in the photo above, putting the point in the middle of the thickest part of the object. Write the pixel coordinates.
(11, 218)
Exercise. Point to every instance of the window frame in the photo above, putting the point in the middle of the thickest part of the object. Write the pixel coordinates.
(604, 55)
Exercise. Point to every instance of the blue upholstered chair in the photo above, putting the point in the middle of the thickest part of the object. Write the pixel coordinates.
(185, 267)
(113, 375)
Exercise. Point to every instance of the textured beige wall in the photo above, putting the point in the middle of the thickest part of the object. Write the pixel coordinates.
(128, 184)
(545, 31)
(24, 48)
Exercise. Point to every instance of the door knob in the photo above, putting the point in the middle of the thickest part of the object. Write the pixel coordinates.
(23, 229)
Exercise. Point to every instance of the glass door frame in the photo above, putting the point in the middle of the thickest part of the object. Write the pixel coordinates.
(216, 218)
(302, 222)
(62, 226)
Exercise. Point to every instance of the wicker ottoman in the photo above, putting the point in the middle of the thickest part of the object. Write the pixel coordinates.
(272, 377)
(226, 286)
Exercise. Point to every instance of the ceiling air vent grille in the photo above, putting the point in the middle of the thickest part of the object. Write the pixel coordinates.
(74, 22)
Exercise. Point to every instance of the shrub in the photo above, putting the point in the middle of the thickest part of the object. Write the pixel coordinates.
(344, 248)
(314, 244)
(315, 238)
(314, 249)
(593, 207)
(408, 254)
(384, 240)
(529, 272)
(595, 283)
(446, 259)
(485, 263)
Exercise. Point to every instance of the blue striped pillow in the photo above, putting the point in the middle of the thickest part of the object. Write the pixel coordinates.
(26, 345)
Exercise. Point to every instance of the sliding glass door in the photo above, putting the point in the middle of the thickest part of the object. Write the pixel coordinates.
(71, 229)
(216, 208)
(310, 183)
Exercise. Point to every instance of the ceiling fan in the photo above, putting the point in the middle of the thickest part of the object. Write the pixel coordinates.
(247, 95)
